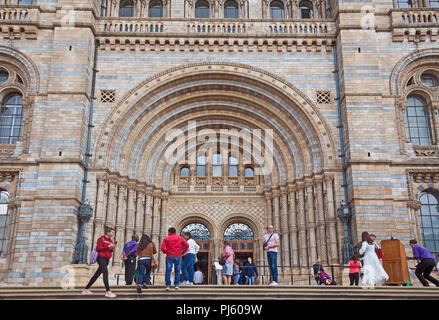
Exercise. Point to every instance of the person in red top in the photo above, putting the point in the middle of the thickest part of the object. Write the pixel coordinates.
(354, 271)
(104, 247)
(174, 246)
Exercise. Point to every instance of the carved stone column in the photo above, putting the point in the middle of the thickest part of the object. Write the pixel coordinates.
(147, 223)
(13, 207)
(265, 9)
(140, 210)
(321, 221)
(156, 218)
(292, 225)
(99, 213)
(276, 213)
(137, 8)
(268, 210)
(434, 107)
(284, 243)
(302, 224)
(111, 212)
(131, 214)
(189, 8)
(331, 221)
(115, 8)
(120, 224)
(163, 228)
(415, 229)
(311, 223)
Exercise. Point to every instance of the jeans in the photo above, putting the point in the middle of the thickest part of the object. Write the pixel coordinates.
(176, 262)
(272, 264)
(188, 267)
(144, 267)
(103, 264)
(250, 279)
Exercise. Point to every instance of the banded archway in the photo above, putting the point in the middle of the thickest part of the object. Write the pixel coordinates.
(132, 145)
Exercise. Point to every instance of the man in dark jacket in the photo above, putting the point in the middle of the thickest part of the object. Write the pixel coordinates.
(318, 269)
(250, 271)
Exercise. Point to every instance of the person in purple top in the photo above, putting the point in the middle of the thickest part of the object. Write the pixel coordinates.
(129, 254)
(426, 264)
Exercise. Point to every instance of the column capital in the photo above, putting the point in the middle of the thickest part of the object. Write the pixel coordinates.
(101, 177)
(132, 185)
(329, 177)
(414, 204)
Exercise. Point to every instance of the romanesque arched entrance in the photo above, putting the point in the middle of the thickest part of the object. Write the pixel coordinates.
(241, 238)
(148, 185)
(201, 234)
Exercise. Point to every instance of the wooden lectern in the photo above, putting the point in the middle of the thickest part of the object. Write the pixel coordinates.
(395, 262)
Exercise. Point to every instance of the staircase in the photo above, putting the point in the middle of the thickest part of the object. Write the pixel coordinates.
(225, 292)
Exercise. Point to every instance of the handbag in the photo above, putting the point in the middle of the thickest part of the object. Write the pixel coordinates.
(379, 252)
(153, 264)
(265, 244)
(222, 261)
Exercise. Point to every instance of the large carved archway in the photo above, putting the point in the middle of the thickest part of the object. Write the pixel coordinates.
(130, 153)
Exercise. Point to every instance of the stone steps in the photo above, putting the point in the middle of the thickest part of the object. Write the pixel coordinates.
(225, 292)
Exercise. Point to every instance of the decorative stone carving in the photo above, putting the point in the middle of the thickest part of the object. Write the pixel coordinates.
(414, 204)
(425, 151)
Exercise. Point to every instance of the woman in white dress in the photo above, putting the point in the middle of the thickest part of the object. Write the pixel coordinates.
(373, 271)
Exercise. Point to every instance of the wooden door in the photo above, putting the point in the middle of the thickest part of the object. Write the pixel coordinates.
(395, 261)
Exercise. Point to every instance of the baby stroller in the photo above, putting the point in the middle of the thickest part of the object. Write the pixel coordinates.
(326, 279)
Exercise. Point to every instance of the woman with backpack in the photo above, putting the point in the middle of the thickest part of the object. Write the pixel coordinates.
(146, 251)
(104, 247)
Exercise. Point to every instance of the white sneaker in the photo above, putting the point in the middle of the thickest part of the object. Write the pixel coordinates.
(191, 283)
(86, 291)
(273, 283)
(110, 294)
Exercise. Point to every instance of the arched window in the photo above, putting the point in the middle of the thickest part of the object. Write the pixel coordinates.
(430, 80)
(126, 8)
(199, 232)
(4, 217)
(277, 10)
(201, 166)
(429, 216)
(103, 8)
(216, 165)
(418, 121)
(155, 9)
(11, 118)
(4, 75)
(249, 172)
(202, 9)
(184, 172)
(25, 2)
(233, 167)
(404, 3)
(238, 231)
(306, 10)
(231, 10)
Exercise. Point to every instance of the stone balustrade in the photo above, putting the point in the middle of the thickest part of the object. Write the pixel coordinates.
(214, 26)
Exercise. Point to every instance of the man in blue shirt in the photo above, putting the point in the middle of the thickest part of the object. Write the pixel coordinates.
(129, 256)
(423, 268)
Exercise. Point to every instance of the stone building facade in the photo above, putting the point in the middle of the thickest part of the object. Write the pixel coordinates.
(349, 89)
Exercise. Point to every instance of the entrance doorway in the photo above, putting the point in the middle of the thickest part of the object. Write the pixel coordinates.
(201, 235)
(203, 257)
